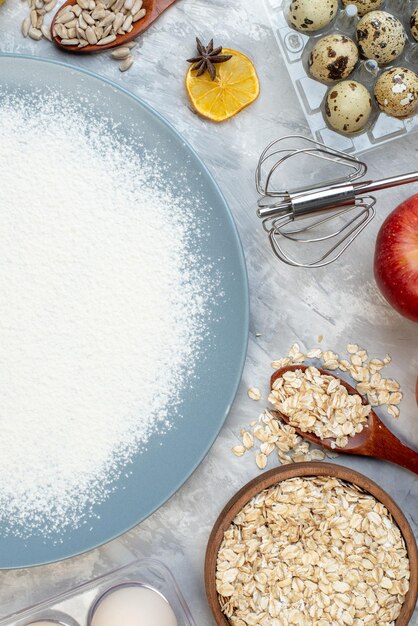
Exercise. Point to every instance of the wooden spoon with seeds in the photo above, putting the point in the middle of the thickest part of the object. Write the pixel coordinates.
(375, 440)
(153, 9)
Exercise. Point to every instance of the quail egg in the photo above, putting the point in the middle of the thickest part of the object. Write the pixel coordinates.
(310, 15)
(333, 57)
(348, 106)
(396, 92)
(364, 6)
(414, 24)
(380, 36)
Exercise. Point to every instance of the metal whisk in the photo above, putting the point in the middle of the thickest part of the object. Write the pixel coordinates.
(346, 198)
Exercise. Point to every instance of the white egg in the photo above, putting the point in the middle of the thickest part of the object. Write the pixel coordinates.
(348, 106)
(396, 92)
(310, 15)
(133, 606)
(332, 58)
(381, 37)
(364, 6)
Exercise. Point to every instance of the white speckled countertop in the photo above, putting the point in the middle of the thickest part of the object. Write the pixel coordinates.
(341, 303)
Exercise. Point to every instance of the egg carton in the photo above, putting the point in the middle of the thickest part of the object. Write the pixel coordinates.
(295, 48)
(74, 607)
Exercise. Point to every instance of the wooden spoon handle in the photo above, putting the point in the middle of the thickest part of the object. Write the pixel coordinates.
(389, 448)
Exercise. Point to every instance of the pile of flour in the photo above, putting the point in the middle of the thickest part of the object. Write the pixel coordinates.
(102, 309)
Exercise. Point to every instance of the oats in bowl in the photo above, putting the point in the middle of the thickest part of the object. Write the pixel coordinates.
(312, 550)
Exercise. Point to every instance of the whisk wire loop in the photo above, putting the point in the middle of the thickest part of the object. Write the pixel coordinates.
(336, 199)
(357, 223)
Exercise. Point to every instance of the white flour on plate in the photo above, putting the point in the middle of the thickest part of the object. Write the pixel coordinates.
(102, 309)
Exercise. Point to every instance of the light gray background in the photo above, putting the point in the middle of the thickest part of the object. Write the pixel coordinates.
(341, 303)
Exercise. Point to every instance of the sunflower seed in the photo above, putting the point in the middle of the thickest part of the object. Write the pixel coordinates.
(139, 15)
(25, 26)
(60, 31)
(66, 9)
(107, 30)
(82, 22)
(109, 19)
(121, 53)
(126, 63)
(70, 42)
(137, 6)
(98, 14)
(119, 19)
(64, 18)
(72, 23)
(50, 5)
(88, 19)
(106, 40)
(104, 20)
(46, 32)
(127, 23)
(35, 33)
(91, 36)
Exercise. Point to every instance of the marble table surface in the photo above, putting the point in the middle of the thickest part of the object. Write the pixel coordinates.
(340, 303)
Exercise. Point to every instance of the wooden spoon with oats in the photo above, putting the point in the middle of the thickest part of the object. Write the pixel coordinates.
(88, 35)
(375, 440)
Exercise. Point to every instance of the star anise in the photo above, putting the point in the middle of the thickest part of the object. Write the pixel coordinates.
(207, 57)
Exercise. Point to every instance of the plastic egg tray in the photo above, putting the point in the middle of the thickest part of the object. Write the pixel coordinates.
(295, 48)
(73, 607)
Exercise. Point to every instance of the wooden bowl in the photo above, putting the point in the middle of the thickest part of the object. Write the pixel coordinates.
(274, 476)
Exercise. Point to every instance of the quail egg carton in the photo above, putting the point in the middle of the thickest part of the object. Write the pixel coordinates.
(74, 608)
(295, 48)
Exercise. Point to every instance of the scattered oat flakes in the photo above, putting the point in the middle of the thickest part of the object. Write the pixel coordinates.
(312, 551)
(275, 435)
(269, 429)
(352, 348)
(316, 353)
(254, 393)
(364, 370)
(281, 363)
(247, 440)
(261, 460)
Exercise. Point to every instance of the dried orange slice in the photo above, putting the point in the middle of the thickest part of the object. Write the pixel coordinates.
(235, 87)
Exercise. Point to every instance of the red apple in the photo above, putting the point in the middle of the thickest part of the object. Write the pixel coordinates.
(396, 258)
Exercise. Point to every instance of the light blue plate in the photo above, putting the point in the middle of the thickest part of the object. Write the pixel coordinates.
(163, 469)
